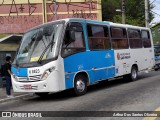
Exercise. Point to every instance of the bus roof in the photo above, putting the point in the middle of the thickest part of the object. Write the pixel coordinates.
(90, 21)
(127, 26)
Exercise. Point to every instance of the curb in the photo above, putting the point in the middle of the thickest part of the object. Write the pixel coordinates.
(15, 98)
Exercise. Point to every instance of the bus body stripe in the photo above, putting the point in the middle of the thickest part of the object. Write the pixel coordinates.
(22, 72)
(99, 65)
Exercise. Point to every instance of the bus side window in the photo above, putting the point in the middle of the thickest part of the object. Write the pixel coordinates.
(71, 47)
(98, 37)
(119, 38)
(135, 40)
(146, 39)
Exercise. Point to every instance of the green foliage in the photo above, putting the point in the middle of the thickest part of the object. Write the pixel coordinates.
(4, 35)
(134, 10)
(109, 9)
(117, 18)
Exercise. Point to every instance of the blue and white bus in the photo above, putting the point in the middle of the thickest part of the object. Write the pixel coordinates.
(75, 53)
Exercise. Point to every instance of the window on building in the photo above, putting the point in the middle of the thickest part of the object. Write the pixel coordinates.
(135, 40)
(119, 38)
(146, 38)
(98, 37)
(74, 46)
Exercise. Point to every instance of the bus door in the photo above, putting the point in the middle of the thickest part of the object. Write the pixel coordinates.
(74, 52)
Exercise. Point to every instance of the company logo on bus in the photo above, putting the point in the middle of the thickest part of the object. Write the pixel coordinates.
(121, 56)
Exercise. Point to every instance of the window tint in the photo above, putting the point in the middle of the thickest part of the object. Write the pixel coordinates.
(135, 40)
(119, 38)
(76, 45)
(97, 31)
(133, 33)
(118, 32)
(98, 37)
(146, 39)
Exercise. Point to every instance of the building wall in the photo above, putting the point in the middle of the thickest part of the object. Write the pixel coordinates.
(16, 16)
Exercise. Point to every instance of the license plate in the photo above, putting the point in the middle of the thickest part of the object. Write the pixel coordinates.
(27, 86)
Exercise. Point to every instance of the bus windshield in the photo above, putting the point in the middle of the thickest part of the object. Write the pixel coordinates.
(39, 44)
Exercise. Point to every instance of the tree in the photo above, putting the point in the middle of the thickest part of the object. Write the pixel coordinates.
(134, 9)
(109, 9)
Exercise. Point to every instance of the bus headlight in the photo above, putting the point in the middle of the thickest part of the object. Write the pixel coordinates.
(47, 72)
(45, 75)
(15, 78)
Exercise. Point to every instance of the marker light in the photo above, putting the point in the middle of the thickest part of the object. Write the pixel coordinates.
(15, 78)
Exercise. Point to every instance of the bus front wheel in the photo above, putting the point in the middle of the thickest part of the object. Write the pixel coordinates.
(80, 85)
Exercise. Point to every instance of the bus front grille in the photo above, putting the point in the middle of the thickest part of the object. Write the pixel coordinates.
(30, 78)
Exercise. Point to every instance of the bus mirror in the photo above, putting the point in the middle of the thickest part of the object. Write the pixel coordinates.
(39, 36)
(72, 36)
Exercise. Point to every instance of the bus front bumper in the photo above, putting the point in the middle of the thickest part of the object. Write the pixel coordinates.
(38, 86)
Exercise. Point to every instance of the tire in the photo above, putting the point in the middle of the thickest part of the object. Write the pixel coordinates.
(132, 76)
(156, 67)
(42, 94)
(80, 85)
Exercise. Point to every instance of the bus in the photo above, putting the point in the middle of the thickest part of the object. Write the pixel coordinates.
(157, 57)
(74, 53)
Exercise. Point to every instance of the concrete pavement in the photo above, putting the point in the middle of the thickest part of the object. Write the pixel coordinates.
(4, 98)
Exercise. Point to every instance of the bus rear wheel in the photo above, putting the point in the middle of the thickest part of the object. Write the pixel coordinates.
(132, 76)
(80, 85)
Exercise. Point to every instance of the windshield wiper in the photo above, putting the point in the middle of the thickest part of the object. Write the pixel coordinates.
(41, 57)
(17, 64)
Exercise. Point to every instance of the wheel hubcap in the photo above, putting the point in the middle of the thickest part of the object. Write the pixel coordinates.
(80, 85)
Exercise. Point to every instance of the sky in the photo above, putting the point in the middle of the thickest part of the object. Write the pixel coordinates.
(156, 10)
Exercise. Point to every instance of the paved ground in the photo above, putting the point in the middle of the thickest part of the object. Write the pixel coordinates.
(3, 93)
(3, 97)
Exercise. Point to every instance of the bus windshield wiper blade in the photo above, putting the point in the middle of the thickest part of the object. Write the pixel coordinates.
(17, 64)
(50, 44)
